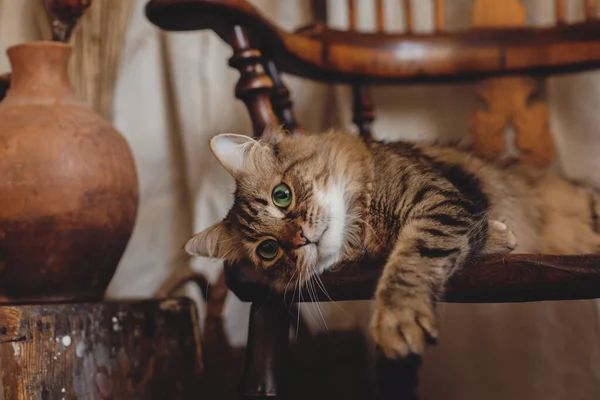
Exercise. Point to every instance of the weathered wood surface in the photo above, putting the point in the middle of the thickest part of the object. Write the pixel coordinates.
(110, 350)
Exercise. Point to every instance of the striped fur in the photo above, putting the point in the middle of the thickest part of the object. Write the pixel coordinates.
(427, 209)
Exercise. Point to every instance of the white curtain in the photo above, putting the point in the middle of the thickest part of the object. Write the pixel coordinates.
(175, 91)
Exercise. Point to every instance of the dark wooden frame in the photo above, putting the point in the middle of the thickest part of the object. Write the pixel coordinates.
(261, 50)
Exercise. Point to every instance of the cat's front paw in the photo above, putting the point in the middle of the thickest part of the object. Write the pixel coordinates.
(403, 328)
(501, 239)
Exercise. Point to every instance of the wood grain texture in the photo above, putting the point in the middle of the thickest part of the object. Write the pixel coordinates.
(112, 350)
(347, 56)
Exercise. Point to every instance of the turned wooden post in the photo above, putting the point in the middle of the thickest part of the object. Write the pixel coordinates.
(282, 103)
(254, 86)
(268, 333)
(266, 352)
(362, 110)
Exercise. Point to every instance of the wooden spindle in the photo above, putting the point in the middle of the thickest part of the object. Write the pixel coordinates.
(560, 11)
(319, 10)
(408, 15)
(280, 97)
(352, 14)
(590, 9)
(254, 86)
(440, 15)
(266, 352)
(363, 114)
(380, 13)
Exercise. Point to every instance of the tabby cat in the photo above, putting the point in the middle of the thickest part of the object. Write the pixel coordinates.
(303, 204)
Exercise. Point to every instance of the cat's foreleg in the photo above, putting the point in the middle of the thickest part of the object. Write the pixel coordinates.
(424, 257)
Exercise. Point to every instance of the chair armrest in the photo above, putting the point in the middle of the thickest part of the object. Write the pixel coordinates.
(494, 279)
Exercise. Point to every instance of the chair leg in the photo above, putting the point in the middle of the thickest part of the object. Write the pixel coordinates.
(398, 380)
(266, 351)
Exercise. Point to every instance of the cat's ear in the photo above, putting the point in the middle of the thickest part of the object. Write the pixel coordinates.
(233, 150)
(213, 242)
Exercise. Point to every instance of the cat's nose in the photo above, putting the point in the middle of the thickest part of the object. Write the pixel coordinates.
(299, 239)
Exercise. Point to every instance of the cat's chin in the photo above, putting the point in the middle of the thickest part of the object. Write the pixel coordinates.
(328, 249)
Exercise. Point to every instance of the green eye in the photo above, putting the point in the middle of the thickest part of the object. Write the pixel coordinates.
(282, 195)
(268, 249)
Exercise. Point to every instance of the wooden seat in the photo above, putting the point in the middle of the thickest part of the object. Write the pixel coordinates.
(511, 58)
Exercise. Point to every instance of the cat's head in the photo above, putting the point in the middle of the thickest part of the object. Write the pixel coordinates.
(290, 216)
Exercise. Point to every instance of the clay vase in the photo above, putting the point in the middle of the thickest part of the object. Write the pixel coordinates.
(68, 185)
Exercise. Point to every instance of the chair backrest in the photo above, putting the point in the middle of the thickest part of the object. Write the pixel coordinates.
(506, 101)
(320, 13)
(491, 13)
(496, 45)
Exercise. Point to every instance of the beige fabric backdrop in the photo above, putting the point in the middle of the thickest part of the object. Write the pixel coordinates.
(174, 92)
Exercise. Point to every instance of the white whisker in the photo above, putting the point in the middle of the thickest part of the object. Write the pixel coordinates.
(318, 305)
(285, 290)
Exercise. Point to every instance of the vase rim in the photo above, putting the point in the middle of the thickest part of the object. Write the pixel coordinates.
(40, 43)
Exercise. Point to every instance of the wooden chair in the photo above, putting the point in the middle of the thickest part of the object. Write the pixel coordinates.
(499, 51)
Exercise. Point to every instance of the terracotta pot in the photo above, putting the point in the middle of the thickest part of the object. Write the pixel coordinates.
(68, 185)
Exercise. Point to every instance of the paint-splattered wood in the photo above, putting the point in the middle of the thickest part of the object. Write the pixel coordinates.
(110, 350)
